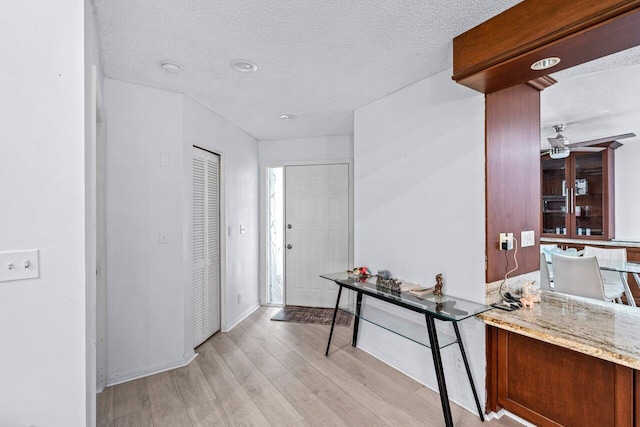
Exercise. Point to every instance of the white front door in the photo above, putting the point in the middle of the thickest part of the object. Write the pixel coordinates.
(206, 245)
(316, 232)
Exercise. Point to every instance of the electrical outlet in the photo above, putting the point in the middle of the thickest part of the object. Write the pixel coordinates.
(506, 241)
(239, 298)
(459, 362)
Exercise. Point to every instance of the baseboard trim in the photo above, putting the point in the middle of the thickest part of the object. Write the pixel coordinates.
(188, 358)
(243, 316)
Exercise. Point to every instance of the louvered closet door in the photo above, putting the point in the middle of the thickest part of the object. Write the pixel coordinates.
(206, 245)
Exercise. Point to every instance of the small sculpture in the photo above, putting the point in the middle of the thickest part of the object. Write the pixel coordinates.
(439, 284)
(361, 271)
(528, 301)
(529, 289)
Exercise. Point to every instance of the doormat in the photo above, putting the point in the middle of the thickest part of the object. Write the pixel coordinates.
(319, 316)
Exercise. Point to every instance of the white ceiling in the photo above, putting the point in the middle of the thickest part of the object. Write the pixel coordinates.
(318, 60)
(595, 100)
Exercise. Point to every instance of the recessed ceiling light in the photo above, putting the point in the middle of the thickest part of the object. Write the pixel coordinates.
(545, 63)
(171, 68)
(288, 117)
(244, 65)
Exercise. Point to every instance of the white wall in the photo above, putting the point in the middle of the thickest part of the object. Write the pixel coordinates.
(627, 184)
(145, 280)
(306, 149)
(239, 157)
(42, 170)
(419, 211)
(149, 293)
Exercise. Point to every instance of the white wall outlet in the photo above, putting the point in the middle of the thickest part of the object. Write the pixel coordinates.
(19, 265)
(164, 160)
(527, 238)
(239, 298)
(459, 362)
(506, 241)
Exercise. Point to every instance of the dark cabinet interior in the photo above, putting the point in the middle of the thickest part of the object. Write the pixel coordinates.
(578, 195)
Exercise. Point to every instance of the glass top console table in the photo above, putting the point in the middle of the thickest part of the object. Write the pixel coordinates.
(443, 308)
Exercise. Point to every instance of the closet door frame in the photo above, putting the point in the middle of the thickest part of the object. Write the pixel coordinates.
(189, 300)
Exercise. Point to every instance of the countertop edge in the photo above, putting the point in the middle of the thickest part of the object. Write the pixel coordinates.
(568, 344)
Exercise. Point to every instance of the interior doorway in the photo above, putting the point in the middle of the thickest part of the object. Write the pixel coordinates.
(206, 245)
(309, 223)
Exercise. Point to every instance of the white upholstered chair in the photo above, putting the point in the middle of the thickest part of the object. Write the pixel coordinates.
(614, 282)
(580, 276)
(545, 277)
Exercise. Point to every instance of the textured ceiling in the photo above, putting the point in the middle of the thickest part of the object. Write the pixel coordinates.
(318, 60)
(598, 99)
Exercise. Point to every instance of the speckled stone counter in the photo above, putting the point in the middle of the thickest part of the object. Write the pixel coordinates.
(604, 330)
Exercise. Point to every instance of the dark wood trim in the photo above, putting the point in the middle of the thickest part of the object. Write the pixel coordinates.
(498, 53)
(527, 26)
(623, 390)
(541, 83)
(492, 369)
(512, 171)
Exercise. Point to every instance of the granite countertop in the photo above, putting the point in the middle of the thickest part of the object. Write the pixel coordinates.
(614, 243)
(600, 329)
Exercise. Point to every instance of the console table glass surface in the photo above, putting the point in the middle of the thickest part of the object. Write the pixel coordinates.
(443, 307)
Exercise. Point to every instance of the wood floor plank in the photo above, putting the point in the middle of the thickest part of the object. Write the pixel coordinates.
(235, 401)
(135, 419)
(259, 356)
(105, 407)
(193, 386)
(314, 410)
(275, 373)
(340, 402)
(276, 409)
(167, 407)
(130, 397)
(209, 414)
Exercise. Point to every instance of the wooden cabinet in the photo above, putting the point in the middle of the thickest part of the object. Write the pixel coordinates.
(578, 195)
(553, 386)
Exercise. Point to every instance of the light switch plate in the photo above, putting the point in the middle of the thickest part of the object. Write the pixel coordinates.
(163, 237)
(527, 238)
(19, 265)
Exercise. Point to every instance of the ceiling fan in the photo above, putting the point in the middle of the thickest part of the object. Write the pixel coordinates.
(560, 147)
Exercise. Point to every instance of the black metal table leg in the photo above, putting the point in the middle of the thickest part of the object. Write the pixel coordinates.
(357, 319)
(437, 362)
(466, 365)
(333, 323)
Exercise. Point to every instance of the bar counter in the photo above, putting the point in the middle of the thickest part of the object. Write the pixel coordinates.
(600, 329)
(568, 361)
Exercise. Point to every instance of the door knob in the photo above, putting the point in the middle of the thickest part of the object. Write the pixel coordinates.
(289, 246)
(289, 226)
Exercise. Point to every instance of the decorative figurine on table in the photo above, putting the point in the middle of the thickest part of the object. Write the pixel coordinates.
(361, 271)
(439, 284)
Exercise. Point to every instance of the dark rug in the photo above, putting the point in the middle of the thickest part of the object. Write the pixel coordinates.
(320, 316)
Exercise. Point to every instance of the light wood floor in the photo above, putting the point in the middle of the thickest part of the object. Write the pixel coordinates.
(266, 373)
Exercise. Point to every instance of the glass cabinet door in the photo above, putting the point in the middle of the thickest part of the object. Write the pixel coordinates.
(588, 199)
(555, 197)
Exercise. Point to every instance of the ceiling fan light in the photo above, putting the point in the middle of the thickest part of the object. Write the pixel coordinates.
(559, 152)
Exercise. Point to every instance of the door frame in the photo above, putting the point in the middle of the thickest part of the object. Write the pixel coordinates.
(188, 250)
(263, 217)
